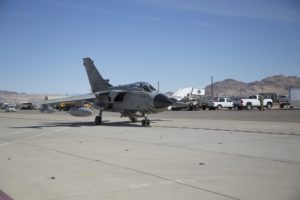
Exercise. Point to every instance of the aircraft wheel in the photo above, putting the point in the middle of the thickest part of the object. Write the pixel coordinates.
(98, 120)
(145, 122)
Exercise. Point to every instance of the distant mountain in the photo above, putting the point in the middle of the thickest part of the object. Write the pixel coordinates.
(15, 97)
(279, 84)
(4, 92)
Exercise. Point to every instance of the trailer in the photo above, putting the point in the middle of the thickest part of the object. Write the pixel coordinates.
(294, 97)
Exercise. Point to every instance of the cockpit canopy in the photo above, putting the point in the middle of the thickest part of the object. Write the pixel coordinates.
(143, 86)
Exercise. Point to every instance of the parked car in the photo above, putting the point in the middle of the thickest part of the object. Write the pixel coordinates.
(283, 101)
(36, 107)
(237, 102)
(10, 108)
(26, 106)
(254, 102)
(220, 103)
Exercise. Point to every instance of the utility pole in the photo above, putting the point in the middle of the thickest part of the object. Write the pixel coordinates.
(158, 86)
(212, 86)
(240, 89)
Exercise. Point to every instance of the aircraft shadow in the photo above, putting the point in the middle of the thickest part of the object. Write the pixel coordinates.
(81, 124)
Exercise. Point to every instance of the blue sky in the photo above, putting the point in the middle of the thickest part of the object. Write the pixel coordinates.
(177, 42)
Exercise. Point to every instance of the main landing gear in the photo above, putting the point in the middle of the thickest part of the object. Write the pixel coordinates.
(98, 119)
(133, 119)
(145, 121)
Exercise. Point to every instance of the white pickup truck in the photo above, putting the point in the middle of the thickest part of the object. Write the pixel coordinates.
(253, 101)
(220, 103)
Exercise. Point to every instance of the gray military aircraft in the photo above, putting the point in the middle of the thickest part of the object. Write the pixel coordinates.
(132, 100)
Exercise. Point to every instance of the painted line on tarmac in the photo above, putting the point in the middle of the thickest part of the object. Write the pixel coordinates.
(227, 130)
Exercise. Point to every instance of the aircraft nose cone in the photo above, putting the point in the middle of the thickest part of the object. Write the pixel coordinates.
(161, 101)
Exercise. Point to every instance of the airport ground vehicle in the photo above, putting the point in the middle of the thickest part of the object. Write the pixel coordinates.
(283, 101)
(188, 105)
(189, 98)
(292, 100)
(294, 97)
(237, 102)
(36, 107)
(254, 101)
(10, 108)
(3, 105)
(220, 103)
(270, 95)
(26, 106)
(199, 103)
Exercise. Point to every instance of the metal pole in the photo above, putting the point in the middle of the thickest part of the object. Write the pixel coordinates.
(212, 86)
(240, 90)
(158, 86)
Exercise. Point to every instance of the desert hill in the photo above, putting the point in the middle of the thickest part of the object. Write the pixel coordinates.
(15, 97)
(278, 84)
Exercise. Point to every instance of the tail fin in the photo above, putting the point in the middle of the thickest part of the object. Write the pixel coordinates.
(96, 81)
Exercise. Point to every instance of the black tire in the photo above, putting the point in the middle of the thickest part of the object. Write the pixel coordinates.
(145, 122)
(249, 106)
(98, 120)
(269, 106)
(219, 107)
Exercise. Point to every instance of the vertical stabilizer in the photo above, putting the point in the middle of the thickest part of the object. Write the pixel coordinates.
(96, 81)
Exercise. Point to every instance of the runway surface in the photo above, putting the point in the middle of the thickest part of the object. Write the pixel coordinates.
(183, 155)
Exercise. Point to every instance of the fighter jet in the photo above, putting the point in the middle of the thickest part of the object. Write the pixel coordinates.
(132, 100)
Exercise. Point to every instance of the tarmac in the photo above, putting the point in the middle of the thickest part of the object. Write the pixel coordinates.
(183, 155)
